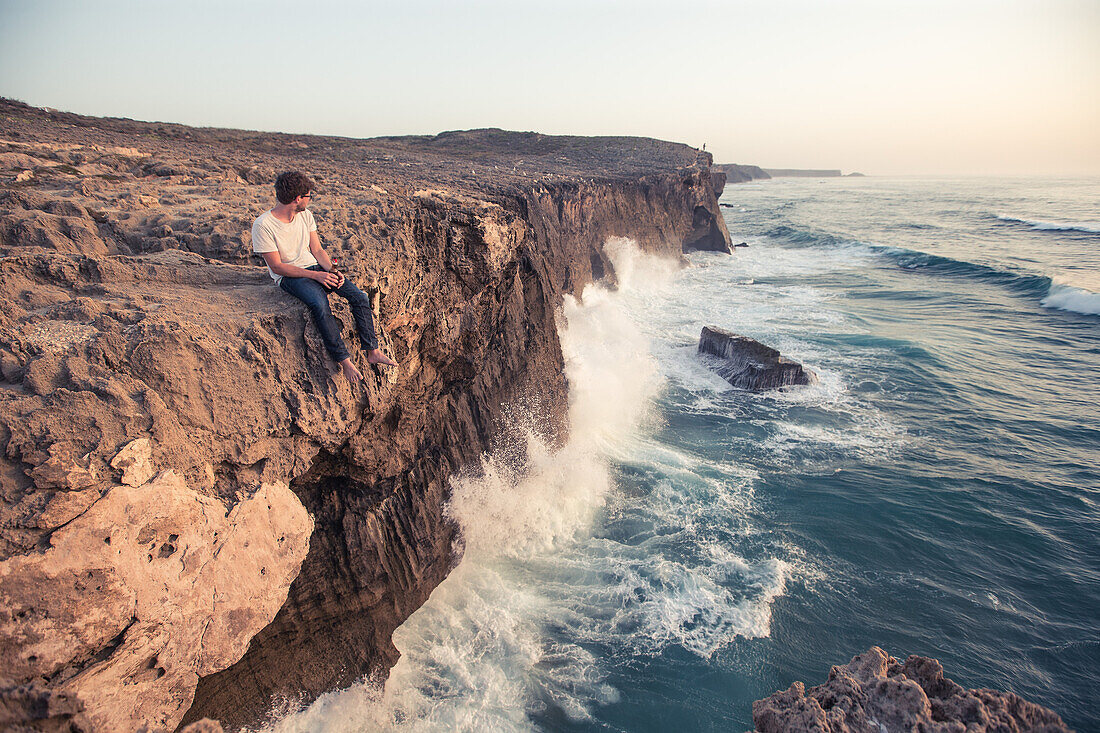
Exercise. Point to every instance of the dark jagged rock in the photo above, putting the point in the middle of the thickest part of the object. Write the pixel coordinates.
(875, 693)
(160, 399)
(748, 364)
(708, 234)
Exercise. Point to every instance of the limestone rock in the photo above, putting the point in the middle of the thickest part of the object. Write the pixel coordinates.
(748, 364)
(135, 461)
(18, 161)
(708, 233)
(33, 707)
(65, 506)
(875, 693)
(718, 180)
(736, 173)
(147, 590)
(206, 725)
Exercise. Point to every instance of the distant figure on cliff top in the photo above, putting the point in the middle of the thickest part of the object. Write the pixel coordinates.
(287, 238)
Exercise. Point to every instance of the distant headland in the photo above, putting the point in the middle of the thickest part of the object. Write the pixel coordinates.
(740, 173)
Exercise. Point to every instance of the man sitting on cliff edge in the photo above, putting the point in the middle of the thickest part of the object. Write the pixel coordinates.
(287, 238)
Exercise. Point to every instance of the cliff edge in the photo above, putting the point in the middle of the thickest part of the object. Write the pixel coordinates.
(198, 517)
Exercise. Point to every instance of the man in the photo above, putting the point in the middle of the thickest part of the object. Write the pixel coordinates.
(287, 238)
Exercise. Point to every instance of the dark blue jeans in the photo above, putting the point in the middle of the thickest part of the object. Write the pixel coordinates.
(315, 297)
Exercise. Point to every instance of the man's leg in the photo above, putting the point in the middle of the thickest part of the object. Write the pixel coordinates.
(314, 296)
(364, 322)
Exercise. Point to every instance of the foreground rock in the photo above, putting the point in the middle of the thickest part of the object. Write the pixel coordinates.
(198, 517)
(875, 693)
(34, 708)
(748, 364)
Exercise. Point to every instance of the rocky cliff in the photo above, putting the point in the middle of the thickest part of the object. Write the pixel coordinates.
(198, 517)
(737, 173)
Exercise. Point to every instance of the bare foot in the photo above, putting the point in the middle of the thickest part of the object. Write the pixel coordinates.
(375, 356)
(348, 368)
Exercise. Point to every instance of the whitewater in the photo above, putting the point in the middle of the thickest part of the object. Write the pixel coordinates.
(692, 548)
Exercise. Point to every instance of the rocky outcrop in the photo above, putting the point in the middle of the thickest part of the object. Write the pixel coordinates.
(199, 516)
(748, 364)
(718, 180)
(737, 173)
(146, 590)
(708, 234)
(34, 708)
(875, 692)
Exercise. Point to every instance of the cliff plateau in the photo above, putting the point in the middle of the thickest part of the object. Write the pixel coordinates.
(198, 517)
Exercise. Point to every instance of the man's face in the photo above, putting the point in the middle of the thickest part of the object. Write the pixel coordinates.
(302, 202)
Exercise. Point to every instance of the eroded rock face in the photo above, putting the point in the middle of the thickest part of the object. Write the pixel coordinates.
(874, 693)
(151, 369)
(150, 588)
(748, 364)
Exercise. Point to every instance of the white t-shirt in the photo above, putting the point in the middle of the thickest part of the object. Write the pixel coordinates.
(291, 240)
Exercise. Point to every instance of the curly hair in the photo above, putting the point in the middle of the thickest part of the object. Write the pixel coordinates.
(291, 185)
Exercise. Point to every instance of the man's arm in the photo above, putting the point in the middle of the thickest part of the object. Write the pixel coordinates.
(275, 262)
(321, 256)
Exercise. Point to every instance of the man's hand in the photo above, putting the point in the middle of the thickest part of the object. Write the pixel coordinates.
(329, 279)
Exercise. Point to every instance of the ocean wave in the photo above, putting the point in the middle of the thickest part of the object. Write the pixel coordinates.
(1022, 282)
(809, 237)
(1053, 294)
(613, 541)
(1085, 227)
(908, 259)
(1068, 298)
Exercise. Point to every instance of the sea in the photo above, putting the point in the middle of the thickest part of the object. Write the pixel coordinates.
(694, 547)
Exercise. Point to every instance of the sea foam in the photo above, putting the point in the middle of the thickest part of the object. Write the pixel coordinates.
(1069, 298)
(566, 572)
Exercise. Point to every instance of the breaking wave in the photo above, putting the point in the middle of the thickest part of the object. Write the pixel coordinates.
(1021, 282)
(577, 559)
(1069, 298)
(1052, 292)
(1086, 227)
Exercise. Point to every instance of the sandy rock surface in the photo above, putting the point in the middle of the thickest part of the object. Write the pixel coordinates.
(875, 693)
(165, 580)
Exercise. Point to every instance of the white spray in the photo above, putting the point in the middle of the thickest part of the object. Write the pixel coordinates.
(504, 636)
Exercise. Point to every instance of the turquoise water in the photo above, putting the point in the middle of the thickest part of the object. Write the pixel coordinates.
(694, 548)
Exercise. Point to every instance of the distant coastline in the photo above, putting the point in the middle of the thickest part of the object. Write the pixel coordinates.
(741, 173)
(807, 173)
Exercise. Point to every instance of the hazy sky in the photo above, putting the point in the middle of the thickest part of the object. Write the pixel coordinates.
(882, 86)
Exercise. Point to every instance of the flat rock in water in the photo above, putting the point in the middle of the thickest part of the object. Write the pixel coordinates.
(748, 364)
